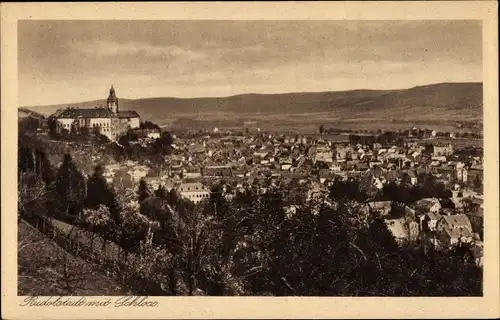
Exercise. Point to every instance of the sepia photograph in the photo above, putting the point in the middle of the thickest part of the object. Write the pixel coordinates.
(249, 158)
(177, 158)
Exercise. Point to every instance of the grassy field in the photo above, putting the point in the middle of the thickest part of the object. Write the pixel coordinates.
(301, 123)
(46, 269)
(460, 143)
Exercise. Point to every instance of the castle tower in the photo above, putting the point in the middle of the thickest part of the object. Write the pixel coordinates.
(112, 100)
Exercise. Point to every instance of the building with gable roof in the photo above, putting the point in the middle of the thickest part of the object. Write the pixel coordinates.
(454, 229)
(108, 121)
(194, 191)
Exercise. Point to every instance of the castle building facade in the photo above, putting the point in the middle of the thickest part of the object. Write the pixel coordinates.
(108, 121)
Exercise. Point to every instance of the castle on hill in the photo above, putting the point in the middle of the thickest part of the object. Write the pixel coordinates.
(108, 121)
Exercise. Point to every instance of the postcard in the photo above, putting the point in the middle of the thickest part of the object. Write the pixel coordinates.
(250, 160)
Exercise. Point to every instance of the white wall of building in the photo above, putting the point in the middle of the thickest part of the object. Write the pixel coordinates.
(100, 122)
(195, 196)
(103, 125)
(135, 123)
(154, 135)
(66, 123)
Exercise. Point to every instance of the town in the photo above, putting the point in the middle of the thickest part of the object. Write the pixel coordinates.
(424, 187)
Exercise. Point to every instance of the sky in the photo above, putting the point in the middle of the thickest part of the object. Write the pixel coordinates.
(74, 61)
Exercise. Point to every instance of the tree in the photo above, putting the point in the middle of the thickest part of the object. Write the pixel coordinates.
(44, 168)
(478, 184)
(29, 125)
(347, 191)
(122, 181)
(32, 194)
(161, 192)
(143, 191)
(163, 145)
(133, 229)
(99, 139)
(53, 127)
(98, 221)
(74, 129)
(149, 125)
(128, 137)
(70, 187)
(99, 193)
(26, 161)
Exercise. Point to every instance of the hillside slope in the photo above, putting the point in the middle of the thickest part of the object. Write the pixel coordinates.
(445, 101)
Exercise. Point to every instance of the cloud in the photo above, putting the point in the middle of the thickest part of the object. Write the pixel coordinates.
(64, 61)
(104, 48)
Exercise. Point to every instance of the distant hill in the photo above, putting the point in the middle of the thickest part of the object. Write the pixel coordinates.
(445, 101)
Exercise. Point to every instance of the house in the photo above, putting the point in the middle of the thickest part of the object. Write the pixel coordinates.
(428, 205)
(335, 167)
(153, 182)
(451, 237)
(460, 221)
(191, 174)
(454, 229)
(154, 134)
(441, 159)
(285, 166)
(430, 221)
(414, 229)
(217, 171)
(138, 172)
(195, 192)
(373, 164)
(461, 172)
(413, 177)
(443, 150)
(409, 212)
(148, 132)
(196, 148)
(325, 157)
(108, 121)
(381, 207)
(260, 154)
(344, 152)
